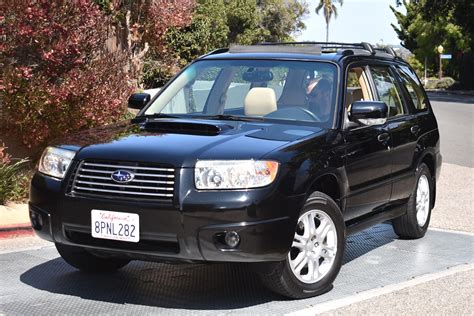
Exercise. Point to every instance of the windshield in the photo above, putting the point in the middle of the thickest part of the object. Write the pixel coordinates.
(244, 89)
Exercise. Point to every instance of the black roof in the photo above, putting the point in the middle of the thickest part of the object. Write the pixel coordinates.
(303, 50)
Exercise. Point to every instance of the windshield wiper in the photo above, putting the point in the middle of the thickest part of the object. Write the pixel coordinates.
(143, 118)
(225, 117)
(228, 117)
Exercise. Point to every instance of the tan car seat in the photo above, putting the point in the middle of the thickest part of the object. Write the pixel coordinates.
(260, 101)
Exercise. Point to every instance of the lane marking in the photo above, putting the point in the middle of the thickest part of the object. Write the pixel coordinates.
(365, 295)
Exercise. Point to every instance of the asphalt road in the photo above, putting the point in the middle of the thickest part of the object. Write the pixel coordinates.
(455, 115)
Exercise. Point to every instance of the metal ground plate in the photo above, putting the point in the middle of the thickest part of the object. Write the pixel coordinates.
(38, 282)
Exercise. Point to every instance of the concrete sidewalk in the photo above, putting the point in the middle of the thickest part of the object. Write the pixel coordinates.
(14, 220)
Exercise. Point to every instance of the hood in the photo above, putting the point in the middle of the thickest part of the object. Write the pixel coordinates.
(180, 142)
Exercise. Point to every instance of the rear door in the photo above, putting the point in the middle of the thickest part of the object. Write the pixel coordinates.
(419, 123)
(402, 126)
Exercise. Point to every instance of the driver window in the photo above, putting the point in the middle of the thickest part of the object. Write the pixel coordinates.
(357, 86)
(387, 90)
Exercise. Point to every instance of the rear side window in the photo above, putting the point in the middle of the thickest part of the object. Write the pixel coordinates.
(413, 86)
(387, 90)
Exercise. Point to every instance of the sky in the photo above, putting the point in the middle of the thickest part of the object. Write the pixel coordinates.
(357, 21)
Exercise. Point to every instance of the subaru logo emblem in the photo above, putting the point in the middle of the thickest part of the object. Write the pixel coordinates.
(122, 176)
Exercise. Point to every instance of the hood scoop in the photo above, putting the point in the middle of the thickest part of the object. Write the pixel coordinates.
(184, 127)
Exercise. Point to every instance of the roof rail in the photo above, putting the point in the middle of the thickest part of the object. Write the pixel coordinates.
(276, 48)
(330, 45)
(368, 47)
(391, 51)
(307, 47)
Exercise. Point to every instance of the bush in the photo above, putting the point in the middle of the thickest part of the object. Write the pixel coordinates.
(13, 178)
(57, 75)
(417, 66)
(444, 83)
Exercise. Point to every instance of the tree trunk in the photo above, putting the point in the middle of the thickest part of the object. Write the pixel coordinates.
(327, 32)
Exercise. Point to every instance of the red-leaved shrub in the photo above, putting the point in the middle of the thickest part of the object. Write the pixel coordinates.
(57, 75)
(4, 157)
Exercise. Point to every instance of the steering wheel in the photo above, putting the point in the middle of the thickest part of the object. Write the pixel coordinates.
(294, 112)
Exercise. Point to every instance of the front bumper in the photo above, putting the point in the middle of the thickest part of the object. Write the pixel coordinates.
(188, 229)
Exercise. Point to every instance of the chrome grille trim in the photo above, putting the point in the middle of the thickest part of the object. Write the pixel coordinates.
(122, 166)
(137, 174)
(151, 182)
(108, 178)
(124, 192)
(127, 186)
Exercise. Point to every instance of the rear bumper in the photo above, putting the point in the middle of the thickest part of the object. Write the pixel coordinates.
(188, 231)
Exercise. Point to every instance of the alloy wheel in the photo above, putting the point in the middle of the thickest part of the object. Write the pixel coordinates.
(422, 200)
(314, 247)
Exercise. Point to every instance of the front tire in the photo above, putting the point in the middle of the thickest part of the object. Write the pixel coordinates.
(87, 262)
(316, 254)
(414, 223)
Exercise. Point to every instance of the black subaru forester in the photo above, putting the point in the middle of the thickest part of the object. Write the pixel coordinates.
(268, 154)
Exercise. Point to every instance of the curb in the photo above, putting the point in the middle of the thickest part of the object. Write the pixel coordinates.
(16, 230)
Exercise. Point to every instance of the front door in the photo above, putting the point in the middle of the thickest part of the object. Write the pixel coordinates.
(367, 155)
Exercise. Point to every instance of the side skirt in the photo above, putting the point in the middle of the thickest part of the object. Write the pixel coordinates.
(389, 212)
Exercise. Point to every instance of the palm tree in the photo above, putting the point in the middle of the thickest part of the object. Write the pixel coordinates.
(329, 8)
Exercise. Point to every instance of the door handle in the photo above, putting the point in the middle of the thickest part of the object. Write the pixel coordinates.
(384, 137)
(415, 129)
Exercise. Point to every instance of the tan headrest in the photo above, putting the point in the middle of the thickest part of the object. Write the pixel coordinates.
(260, 101)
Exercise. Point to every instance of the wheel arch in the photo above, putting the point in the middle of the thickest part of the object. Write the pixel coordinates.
(330, 184)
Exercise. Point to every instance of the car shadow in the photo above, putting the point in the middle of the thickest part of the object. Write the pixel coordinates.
(179, 286)
(367, 240)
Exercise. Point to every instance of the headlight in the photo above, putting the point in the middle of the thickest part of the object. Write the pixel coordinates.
(234, 174)
(55, 161)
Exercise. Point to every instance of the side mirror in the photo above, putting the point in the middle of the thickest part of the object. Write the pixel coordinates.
(368, 112)
(138, 100)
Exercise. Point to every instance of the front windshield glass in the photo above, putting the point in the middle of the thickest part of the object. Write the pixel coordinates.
(266, 89)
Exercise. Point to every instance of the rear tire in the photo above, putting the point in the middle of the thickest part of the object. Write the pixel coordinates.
(87, 262)
(318, 246)
(414, 223)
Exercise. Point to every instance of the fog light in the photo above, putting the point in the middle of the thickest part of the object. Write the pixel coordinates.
(232, 239)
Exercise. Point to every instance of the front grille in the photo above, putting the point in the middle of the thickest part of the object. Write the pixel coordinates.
(151, 182)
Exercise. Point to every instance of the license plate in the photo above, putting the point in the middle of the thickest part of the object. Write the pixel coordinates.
(115, 225)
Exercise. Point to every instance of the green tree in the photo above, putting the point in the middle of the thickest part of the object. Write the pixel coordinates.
(208, 30)
(329, 9)
(423, 28)
(462, 13)
(219, 23)
(282, 19)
